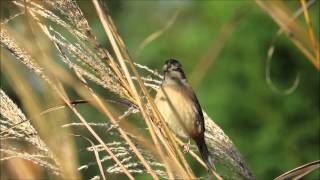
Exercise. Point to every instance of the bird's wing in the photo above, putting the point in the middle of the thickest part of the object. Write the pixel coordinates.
(199, 116)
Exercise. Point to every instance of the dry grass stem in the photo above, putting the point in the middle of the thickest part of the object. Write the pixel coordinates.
(299, 172)
(96, 154)
(281, 15)
(312, 35)
(79, 50)
(271, 51)
(170, 146)
(10, 115)
(26, 59)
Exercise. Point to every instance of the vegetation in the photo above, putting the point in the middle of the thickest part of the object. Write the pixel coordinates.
(78, 80)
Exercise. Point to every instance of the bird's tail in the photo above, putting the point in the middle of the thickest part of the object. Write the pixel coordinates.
(204, 153)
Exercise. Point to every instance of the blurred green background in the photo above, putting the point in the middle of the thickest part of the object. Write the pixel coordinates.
(273, 132)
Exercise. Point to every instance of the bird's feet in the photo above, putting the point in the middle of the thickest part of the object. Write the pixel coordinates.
(186, 147)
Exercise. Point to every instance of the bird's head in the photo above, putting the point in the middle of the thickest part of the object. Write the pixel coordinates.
(173, 69)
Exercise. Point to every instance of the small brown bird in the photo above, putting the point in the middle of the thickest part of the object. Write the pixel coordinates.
(180, 108)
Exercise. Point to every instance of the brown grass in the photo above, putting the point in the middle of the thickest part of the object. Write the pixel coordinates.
(152, 149)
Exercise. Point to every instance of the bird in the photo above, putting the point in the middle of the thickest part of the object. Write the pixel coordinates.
(180, 108)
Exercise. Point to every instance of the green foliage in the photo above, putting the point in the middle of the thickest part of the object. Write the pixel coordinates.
(274, 132)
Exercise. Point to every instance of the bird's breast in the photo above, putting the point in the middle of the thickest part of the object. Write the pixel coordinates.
(178, 110)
